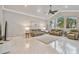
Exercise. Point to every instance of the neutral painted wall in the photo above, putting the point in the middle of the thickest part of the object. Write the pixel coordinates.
(18, 22)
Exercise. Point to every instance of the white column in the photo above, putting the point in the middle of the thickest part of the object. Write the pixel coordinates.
(65, 19)
(2, 21)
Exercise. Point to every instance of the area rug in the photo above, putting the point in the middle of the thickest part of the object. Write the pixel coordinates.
(46, 38)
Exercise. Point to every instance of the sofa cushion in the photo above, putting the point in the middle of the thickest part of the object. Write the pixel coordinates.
(74, 30)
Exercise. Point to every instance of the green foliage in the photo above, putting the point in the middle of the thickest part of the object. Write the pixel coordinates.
(60, 22)
(71, 22)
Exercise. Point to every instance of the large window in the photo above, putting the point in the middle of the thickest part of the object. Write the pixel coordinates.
(60, 22)
(71, 22)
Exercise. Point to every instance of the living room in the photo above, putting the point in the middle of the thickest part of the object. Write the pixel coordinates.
(50, 29)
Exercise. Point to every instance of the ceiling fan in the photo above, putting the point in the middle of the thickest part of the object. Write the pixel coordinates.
(52, 11)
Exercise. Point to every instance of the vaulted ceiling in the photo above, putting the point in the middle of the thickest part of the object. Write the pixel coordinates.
(40, 11)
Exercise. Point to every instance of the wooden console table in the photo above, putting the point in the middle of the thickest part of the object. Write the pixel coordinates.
(28, 34)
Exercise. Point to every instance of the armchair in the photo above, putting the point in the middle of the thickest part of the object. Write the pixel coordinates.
(56, 32)
(36, 32)
(73, 34)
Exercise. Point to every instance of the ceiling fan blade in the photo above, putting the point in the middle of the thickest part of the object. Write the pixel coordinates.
(55, 11)
(50, 10)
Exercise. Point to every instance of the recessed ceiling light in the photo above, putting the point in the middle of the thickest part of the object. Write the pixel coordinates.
(66, 6)
(25, 5)
(38, 10)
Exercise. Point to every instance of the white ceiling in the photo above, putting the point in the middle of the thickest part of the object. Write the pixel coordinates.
(40, 10)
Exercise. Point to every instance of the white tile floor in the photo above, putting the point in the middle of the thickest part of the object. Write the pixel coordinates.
(66, 46)
(39, 45)
(21, 45)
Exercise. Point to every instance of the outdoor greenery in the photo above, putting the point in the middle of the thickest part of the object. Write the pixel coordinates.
(60, 22)
(71, 22)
